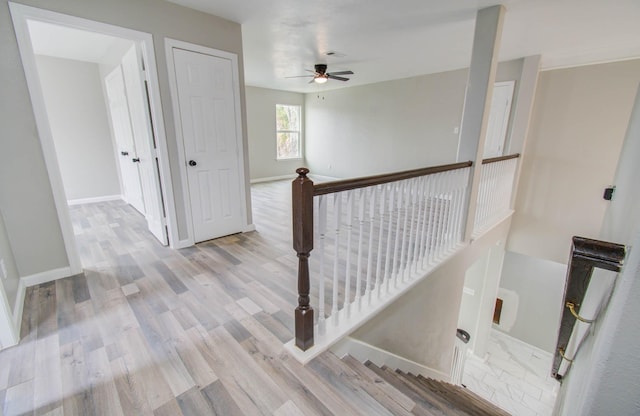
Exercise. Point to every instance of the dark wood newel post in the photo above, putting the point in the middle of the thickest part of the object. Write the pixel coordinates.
(302, 209)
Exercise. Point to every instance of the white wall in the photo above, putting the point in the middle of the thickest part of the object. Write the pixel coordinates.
(579, 122)
(539, 286)
(478, 299)
(261, 125)
(389, 126)
(25, 192)
(80, 128)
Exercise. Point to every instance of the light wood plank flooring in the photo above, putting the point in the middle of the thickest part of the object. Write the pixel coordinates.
(147, 330)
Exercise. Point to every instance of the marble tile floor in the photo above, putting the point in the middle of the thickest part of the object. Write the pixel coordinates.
(514, 376)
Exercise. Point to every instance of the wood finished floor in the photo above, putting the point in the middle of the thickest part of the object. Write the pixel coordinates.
(147, 330)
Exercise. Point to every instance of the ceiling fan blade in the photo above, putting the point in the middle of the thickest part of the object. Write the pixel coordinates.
(301, 76)
(341, 73)
(331, 76)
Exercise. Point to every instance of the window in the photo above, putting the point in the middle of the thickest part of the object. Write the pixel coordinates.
(288, 141)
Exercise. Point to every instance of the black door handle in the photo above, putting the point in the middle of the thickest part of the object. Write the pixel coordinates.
(136, 160)
(192, 163)
(124, 153)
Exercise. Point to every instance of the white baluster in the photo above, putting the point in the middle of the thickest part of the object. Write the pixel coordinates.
(322, 230)
(428, 226)
(416, 245)
(387, 258)
(337, 210)
(381, 208)
(372, 217)
(346, 305)
(361, 204)
(406, 204)
(436, 218)
(412, 226)
(396, 254)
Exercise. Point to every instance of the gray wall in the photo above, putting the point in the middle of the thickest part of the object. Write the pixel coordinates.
(539, 285)
(605, 378)
(579, 121)
(389, 126)
(261, 125)
(25, 192)
(80, 128)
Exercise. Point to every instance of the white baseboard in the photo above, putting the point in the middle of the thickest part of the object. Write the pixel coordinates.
(273, 178)
(32, 280)
(363, 352)
(45, 277)
(94, 199)
(542, 353)
(248, 228)
(322, 178)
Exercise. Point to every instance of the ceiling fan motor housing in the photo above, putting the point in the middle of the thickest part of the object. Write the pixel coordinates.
(321, 68)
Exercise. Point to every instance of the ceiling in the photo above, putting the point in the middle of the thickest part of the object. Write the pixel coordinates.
(383, 40)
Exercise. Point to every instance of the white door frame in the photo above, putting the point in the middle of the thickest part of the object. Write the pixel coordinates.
(170, 44)
(21, 14)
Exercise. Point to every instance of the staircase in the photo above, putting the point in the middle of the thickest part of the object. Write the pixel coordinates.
(405, 393)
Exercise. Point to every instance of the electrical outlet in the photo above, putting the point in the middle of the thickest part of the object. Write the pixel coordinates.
(3, 269)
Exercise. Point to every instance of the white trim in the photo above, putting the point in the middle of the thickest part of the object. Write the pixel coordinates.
(600, 62)
(363, 352)
(499, 334)
(94, 199)
(18, 307)
(170, 44)
(21, 14)
(9, 332)
(322, 178)
(273, 178)
(46, 277)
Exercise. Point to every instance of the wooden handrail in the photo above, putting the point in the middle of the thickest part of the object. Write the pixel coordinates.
(586, 254)
(363, 182)
(500, 158)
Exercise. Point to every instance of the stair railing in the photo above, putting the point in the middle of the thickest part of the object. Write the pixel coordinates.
(494, 193)
(374, 236)
(586, 254)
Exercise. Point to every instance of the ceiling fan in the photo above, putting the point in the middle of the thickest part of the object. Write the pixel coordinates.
(320, 75)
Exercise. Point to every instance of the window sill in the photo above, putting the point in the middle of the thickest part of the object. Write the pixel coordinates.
(289, 160)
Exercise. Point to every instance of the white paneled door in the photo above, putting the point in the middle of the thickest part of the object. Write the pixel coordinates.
(145, 143)
(498, 119)
(212, 146)
(123, 134)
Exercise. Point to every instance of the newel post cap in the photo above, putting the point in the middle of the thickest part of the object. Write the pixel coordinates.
(302, 172)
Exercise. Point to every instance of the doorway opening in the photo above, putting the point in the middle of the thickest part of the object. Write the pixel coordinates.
(96, 99)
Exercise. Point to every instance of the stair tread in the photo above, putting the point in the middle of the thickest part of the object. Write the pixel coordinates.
(457, 398)
(372, 379)
(437, 397)
(467, 394)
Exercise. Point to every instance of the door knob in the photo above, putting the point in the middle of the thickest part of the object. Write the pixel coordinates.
(136, 160)
(192, 163)
(124, 153)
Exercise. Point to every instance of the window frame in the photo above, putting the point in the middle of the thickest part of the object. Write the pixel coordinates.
(298, 132)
